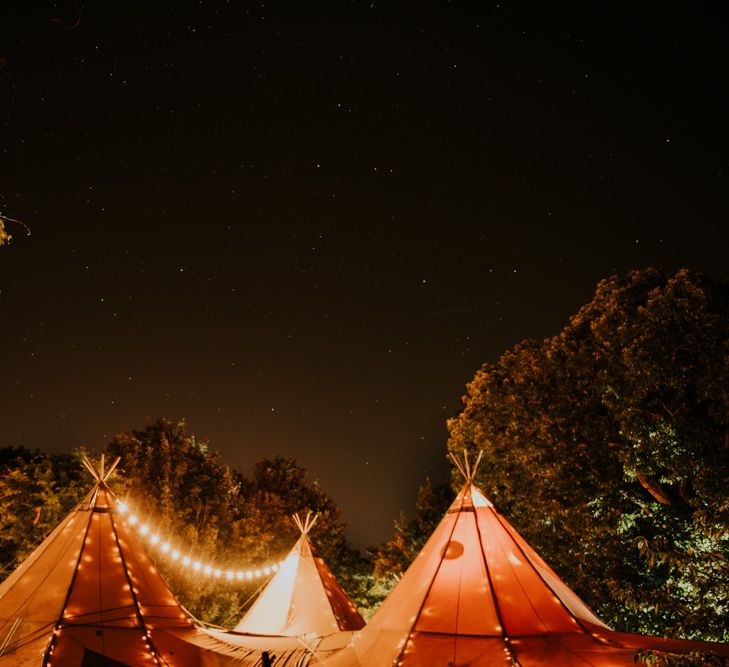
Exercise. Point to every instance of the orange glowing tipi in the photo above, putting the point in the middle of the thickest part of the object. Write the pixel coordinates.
(479, 595)
(89, 595)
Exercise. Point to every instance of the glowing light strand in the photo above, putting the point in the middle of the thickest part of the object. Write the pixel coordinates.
(195, 566)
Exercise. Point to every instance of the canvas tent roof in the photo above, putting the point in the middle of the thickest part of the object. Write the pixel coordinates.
(478, 594)
(303, 598)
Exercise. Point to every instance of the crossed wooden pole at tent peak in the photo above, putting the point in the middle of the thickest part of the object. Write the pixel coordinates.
(464, 466)
(100, 475)
(307, 524)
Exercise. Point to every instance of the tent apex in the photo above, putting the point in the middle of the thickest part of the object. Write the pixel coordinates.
(307, 523)
(100, 474)
(464, 465)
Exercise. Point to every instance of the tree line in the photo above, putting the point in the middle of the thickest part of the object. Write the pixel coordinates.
(606, 446)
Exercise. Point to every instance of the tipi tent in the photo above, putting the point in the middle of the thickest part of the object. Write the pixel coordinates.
(303, 598)
(478, 594)
(89, 595)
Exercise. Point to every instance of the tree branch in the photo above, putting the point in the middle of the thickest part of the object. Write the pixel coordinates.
(654, 488)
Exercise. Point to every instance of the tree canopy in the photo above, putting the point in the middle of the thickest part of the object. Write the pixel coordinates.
(36, 492)
(607, 446)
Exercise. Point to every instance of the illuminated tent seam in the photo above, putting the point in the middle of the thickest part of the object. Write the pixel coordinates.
(487, 567)
(468, 474)
(425, 597)
(143, 625)
(593, 635)
(57, 623)
(100, 476)
(197, 566)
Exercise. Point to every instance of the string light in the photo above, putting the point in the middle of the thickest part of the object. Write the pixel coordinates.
(196, 566)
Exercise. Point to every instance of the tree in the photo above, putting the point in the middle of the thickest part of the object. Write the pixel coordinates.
(393, 558)
(607, 446)
(182, 489)
(390, 560)
(36, 492)
(278, 488)
(5, 236)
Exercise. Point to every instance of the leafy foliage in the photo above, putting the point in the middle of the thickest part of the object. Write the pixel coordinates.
(4, 236)
(393, 558)
(608, 448)
(36, 492)
(224, 517)
(649, 658)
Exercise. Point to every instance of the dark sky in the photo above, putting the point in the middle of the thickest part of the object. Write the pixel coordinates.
(304, 226)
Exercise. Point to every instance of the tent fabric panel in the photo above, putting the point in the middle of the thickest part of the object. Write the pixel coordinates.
(374, 648)
(178, 648)
(92, 659)
(269, 614)
(309, 611)
(154, 599)
(460, 600)
(527, 605)
(564, 592)
(37, 589)
(28, 652)
(570, 650)
(345, 613)
(426, 650)
(100, 586)
(124, 645)
(56, 542)
(129, 647)
(400, 609)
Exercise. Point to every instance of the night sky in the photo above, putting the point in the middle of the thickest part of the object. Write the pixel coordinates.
(304, 226)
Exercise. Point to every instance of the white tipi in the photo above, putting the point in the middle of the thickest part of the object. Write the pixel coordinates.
(303, 598)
